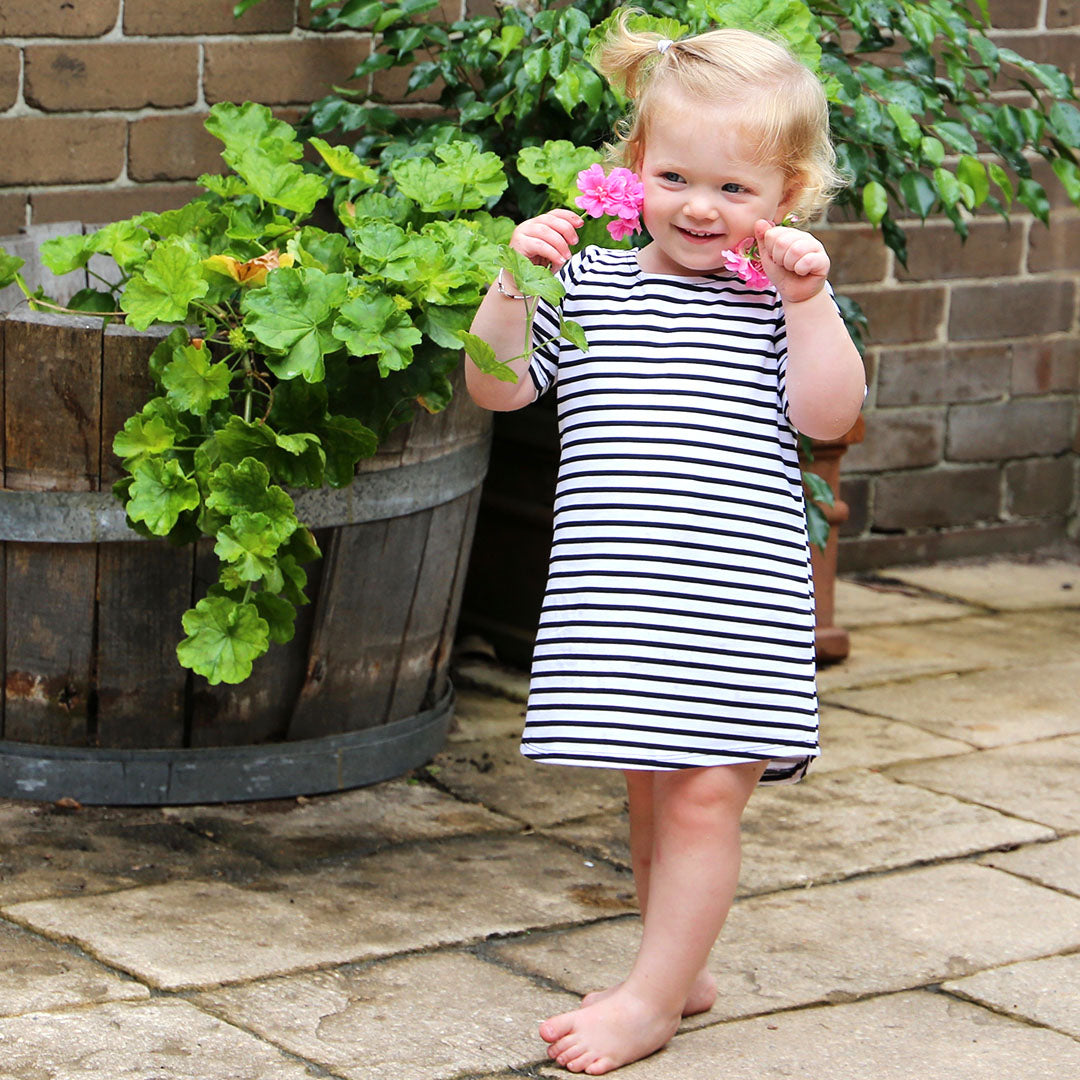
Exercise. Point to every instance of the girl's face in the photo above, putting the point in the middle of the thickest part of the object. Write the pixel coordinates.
(701, 197)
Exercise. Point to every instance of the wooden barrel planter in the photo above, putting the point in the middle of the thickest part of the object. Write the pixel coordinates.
(95, 705)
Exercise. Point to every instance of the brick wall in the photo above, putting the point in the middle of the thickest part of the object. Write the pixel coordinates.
(972, 442)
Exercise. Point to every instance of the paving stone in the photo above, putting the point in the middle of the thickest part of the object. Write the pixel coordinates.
(984, 708)
(834, 943)
(1002, 584)
(871, 604)
(202, 934)
(287, 833)
(1056, 864)
(492, 677)
(1036, 781)
(493, 772)
(45, 851)
(897, 1037)
(125, 1041)
(37, 974)
(837, 825)
(891, 653)
(415, 1018)
(851, 739)
(1045, 992)
(480, 715)
(834, 826)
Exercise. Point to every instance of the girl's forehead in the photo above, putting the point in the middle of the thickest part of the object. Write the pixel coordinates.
(712, 143)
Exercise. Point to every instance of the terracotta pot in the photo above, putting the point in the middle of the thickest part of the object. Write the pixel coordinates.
(832, 642)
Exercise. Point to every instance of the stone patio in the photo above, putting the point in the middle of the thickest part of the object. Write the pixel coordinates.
(912, 910)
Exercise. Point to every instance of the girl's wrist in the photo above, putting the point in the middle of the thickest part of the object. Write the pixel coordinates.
(507, 291)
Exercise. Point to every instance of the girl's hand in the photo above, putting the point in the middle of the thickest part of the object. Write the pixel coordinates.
(546, 240)
(795, 261)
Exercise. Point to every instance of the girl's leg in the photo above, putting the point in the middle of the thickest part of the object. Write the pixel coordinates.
(639, 789)
(691, 884)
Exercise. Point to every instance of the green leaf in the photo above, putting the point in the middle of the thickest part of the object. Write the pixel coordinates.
(574, 333)
(165, 286)
(932, 149)
(375, 325)
(241, 127)
(346, 441)
(948, 187)
(555, 165)
(957, 136)
(1033, 196)
(224, 638)
(483, 356)
(342, 161)
(532, 280)
(283, 184)
(293, 314)
(817, 525)
(160, 493)
(1065, 120)
(248, 543)
(1001, 179)
(1069, 175)
(193, 383)
(907, 125)
(444, 324)
(63, 254)
(919, 193)
(972, 172)
(280, 616)
(819, 488)
(9, 267)
(467, 179)
(294, 459)
(246, 489)
(875, 200)
(92, 300)
(143, 435)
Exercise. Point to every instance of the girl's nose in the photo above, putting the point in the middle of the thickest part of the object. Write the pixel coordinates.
(700, 209)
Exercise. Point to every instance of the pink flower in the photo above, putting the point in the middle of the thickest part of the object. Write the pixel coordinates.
(745, 260)
(620, 228)
(618, 194)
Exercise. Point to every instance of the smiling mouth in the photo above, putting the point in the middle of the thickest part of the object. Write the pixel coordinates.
(696, 234)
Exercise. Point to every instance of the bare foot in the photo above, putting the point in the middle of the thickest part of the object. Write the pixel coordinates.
(600, 1037)
(701, 998)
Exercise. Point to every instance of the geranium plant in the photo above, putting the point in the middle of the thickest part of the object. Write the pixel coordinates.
(917, 108)
(294, 351)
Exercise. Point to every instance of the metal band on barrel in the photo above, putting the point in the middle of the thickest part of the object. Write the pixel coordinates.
(89, 517)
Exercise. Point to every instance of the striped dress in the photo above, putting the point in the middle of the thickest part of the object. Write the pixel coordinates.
(677, 627)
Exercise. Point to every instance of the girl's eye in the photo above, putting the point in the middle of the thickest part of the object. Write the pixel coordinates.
(672, 177)
(733, 188)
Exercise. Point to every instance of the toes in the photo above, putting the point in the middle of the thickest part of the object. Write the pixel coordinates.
(557, 1027)
(600, 1066)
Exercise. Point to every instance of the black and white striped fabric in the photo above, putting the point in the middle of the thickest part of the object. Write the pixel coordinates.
(678, 623)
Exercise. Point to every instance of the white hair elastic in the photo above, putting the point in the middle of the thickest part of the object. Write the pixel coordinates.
(663, 45)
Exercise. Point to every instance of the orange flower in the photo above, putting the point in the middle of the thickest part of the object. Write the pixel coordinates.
(252, 272)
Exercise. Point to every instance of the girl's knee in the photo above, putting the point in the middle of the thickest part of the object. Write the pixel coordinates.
(714, 793)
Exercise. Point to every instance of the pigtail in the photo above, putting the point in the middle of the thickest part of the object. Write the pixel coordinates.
(628, 58)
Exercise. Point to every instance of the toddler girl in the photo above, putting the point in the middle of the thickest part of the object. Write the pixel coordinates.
(677, 636)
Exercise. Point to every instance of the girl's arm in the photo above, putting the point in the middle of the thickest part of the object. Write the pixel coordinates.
(503, 321)
(825, 378)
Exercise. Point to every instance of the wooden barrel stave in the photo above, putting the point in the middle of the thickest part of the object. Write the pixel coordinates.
(87, 645)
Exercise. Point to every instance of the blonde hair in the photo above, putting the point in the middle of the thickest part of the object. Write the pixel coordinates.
(785, 114)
